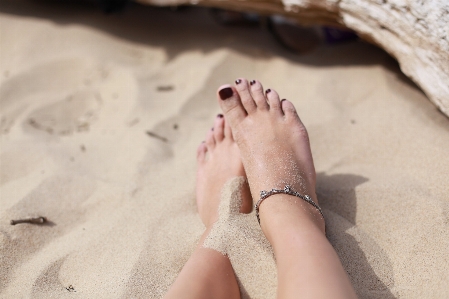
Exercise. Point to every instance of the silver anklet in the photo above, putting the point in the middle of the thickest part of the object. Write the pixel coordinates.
(287, 190)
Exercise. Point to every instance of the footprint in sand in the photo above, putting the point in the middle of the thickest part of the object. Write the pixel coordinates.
(73, 114)
(40, 85)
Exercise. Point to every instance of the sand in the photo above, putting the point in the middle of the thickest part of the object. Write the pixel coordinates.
(101, 116)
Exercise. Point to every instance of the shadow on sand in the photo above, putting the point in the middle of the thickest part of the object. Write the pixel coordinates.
(160, 27)
(360, 255)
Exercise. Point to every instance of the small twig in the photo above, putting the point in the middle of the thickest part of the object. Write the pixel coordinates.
(149, 133)
(165, 88)
(38, 220)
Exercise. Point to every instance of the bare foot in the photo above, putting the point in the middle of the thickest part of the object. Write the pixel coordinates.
(208, 273)
(275, 151)
(273, 142)
(218, 161)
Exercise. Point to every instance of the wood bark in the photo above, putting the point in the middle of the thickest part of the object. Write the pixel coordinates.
(414, 32)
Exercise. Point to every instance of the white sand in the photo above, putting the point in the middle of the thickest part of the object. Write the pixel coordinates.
(79, 92)
(239, 237)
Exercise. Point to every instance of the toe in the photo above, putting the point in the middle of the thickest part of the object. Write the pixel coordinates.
(228, 131)
(219, 128)
(258, 95)
(289, 109)
(274, 101)
(201, 153)
(210, 139)
(243, 89)
(230, 103)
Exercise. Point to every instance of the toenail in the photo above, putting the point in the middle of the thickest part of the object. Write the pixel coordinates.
(283, 100)
(252, 82)
(226, 93)
(238, 81)
(212, 128)
(220, 115)
(268, 90)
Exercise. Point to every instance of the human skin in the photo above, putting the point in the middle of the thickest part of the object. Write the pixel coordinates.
(264, 139)
(275, 151)
(209, 273)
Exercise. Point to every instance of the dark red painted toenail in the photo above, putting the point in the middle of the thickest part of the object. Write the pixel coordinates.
(252, 82)
(220, 115)
(268, 90)
(283, 100)
(238, 81)
(225, 93)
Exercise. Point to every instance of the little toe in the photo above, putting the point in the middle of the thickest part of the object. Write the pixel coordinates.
(274, 101)
(243, 89)
(210, 139)
(259, 95)
(289, 109)
(231, 104)
(201, 152)
(219, 128)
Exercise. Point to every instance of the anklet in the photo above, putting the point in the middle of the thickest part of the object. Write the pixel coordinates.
(287, 190)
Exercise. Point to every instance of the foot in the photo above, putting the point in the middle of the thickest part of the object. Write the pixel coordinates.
(218, 161)
(275, 151)
(273, 142)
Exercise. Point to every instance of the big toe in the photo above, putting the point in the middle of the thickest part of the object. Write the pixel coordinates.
(231, 105)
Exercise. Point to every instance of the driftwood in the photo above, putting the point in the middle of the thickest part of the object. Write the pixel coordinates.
(415, 32)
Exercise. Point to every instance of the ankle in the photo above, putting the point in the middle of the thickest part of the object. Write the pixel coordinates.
(285, 215)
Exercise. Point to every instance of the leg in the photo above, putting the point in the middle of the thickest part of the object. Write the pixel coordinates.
(208, 273)
(275, 151)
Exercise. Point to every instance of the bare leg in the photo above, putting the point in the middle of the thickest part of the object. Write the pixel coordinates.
(208, 273)
(275, 151)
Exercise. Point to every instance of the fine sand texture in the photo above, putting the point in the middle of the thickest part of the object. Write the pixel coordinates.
(100, 118)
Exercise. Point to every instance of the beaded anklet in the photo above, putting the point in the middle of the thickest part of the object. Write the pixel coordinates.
(287, 190)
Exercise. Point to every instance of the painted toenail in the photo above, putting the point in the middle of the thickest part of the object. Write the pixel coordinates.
(226, 93)
(220, 115)
(283, 100)
(212, 128)
(252, 82)
(268, 90)
(238, 81)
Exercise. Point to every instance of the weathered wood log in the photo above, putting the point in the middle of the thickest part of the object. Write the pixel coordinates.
(415, 32)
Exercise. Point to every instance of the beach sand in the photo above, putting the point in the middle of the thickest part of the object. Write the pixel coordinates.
(101, 116)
